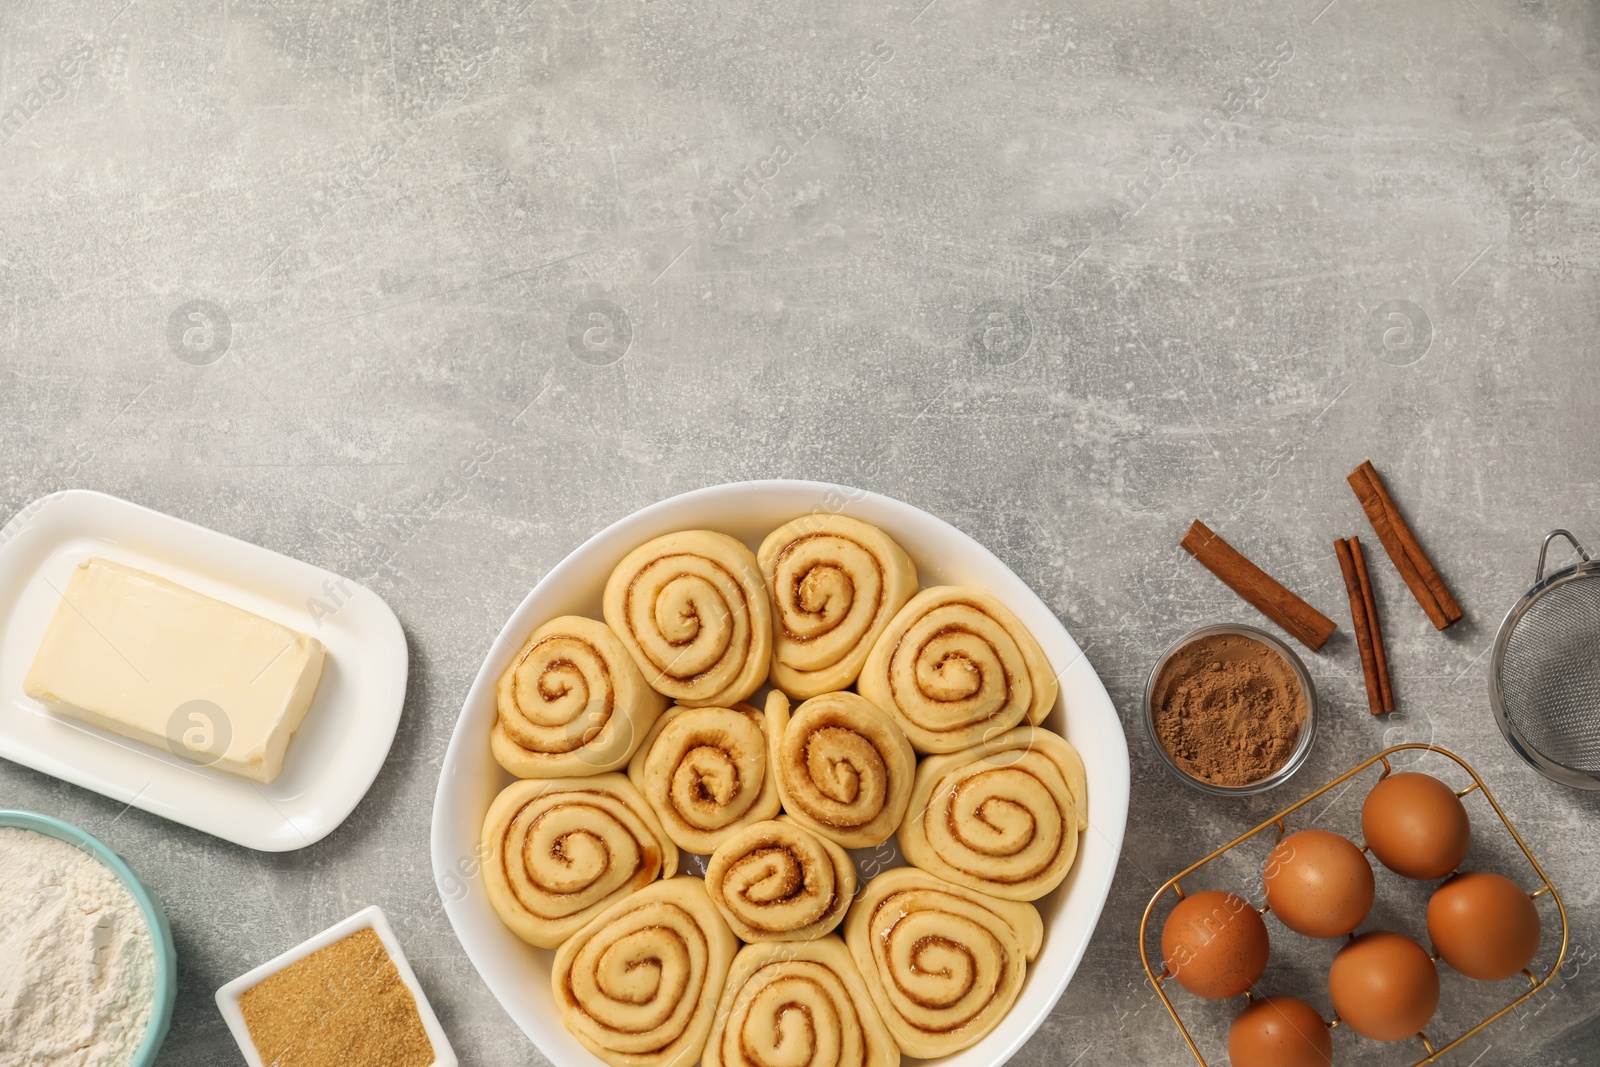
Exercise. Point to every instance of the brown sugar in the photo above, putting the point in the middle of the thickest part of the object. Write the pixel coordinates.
(342, 1006)
(1228, 709)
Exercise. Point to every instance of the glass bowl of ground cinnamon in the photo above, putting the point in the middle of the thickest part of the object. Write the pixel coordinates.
(1231, 710)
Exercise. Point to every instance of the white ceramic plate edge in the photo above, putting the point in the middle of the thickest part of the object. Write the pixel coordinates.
(383, 640)
(1092, 713)
(371, 916)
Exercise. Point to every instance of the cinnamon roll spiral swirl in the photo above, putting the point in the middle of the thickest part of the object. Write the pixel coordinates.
(639, 984)
(943, 963)
(557, 852)
(693, 612)
(835, 582)
(1002, 817)
(571, 703)
(954, 666)
(843, 769)
(704, 771)
(777, 881)
(798, 1005)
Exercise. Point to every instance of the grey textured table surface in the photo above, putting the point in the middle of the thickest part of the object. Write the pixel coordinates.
(1068, 275)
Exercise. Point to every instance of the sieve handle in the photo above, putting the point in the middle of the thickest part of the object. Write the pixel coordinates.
(1546, 549)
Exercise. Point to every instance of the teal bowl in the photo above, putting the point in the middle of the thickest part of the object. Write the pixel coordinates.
(166, 957)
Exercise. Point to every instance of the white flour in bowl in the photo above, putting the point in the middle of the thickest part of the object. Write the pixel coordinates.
(76, 963)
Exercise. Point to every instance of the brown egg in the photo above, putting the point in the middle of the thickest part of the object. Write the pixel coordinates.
(1483, 925)
(1318, 883)
(1279, 1032)
(1214, 944)
(1416, 826)
(1384, 986)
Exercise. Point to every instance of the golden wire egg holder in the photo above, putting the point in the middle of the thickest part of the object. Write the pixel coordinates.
(1277, 821)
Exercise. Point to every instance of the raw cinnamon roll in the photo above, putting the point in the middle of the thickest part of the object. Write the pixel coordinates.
(571, 703)
(639, 985)
(956, 666)
(799, 1005)
(843, 768)
(777, 881)
(943, 963)
(557, 852)
(704, 771)
(692, 610)
(1002, 817)
(835, 582)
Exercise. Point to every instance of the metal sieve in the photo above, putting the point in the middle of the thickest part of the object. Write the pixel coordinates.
(1544, 681)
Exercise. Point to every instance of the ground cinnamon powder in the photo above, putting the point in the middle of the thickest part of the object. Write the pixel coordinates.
(1228, 709)
(342, 1006)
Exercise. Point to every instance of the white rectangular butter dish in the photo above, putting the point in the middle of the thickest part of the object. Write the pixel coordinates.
(333, 757)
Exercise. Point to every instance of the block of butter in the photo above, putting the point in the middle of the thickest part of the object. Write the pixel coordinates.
(152, 660)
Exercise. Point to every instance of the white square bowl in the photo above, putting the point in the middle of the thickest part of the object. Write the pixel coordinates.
(373, 917)
(519, 975)
(332, 759)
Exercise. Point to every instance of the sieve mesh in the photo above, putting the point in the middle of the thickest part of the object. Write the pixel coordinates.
(1550, 675)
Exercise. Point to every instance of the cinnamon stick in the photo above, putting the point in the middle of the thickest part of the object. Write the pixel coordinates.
(1378, 652)
(1265, 593)
(1404, 549)
(1359, 622)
